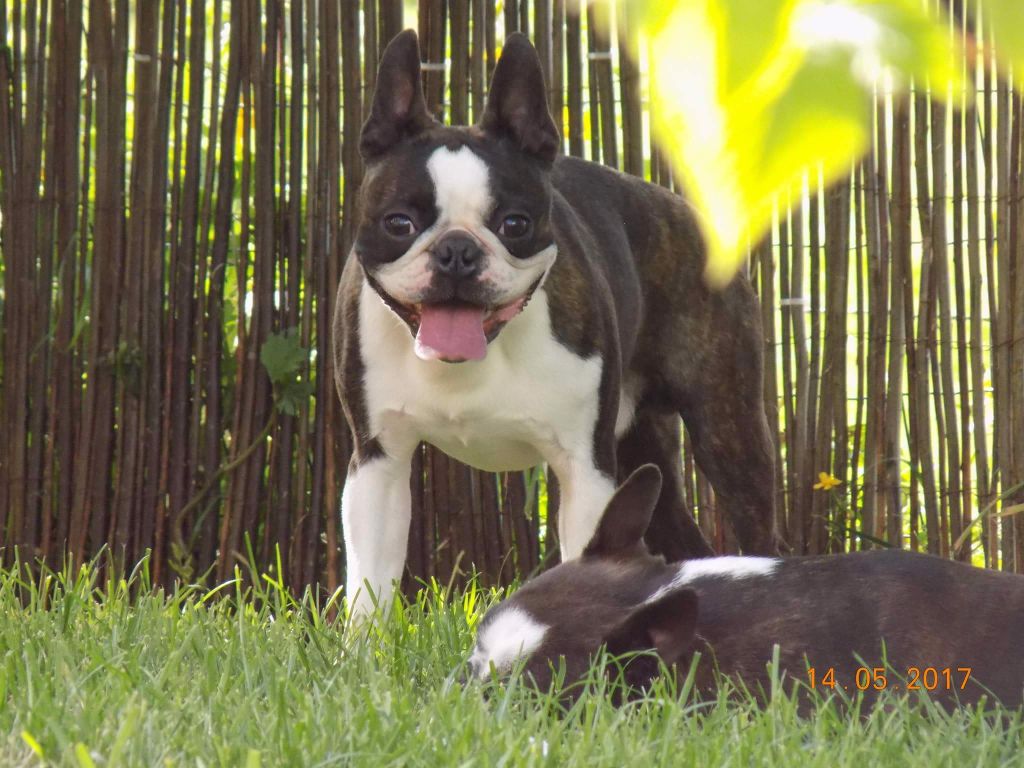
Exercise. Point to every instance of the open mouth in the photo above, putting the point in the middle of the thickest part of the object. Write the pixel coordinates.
(455, 331)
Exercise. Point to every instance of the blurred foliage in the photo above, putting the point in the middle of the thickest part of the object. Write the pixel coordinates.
(1006, 25)
(754, 98)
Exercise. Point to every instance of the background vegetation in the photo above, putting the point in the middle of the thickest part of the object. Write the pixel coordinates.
(176, 188)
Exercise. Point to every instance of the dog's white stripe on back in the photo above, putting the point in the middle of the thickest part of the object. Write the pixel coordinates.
(730, 567)
(511, 636)
(462, 189)
(727, 567)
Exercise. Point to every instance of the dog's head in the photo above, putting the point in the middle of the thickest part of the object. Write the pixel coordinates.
(615, 596)
(454, 226)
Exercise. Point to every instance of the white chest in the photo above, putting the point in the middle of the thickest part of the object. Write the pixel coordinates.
(530, 400)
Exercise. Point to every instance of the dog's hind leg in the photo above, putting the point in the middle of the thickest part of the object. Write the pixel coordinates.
(718, 390)
(733, 447)
(654, 437)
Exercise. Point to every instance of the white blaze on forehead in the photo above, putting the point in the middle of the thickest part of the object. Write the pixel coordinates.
(462, 188)
(512, 635)
(728, 567)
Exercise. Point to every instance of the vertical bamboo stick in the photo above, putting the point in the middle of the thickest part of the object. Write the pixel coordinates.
(900, 237)
(877, 247)
(950, 521)
(574, 77)
(602, 93)
(629, 88)
(960, 120)
(458, 86)
(1001, 310)
(975, 201)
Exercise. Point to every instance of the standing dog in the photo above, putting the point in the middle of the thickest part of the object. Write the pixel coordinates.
(865, 621)
(514, 307)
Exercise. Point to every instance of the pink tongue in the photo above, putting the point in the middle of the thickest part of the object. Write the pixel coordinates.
(451, 332)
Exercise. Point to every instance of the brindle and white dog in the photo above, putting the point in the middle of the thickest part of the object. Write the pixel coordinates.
(512, 306)
(880, 620)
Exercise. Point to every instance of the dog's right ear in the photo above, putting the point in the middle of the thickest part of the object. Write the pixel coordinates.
(399, 109)
(628, 515)
(666, 624)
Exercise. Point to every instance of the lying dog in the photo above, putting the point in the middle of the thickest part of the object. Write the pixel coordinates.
(947, 628)
(514, 307)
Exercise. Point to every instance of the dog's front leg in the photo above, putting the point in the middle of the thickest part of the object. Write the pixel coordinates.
(584, 459)
(584, 492)
(375, 512)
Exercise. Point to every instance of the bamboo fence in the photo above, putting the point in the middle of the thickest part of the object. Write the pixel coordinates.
(177, 182)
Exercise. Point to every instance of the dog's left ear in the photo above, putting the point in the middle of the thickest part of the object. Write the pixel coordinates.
(517, 102)
(628, 515)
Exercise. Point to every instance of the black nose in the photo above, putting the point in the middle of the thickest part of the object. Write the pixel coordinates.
(458, 255)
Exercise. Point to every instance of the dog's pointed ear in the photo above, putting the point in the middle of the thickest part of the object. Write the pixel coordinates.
(399, 109)
(628, 514)
(665, 624)
(517, 101)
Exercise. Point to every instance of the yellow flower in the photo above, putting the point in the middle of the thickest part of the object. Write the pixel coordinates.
(826, 482)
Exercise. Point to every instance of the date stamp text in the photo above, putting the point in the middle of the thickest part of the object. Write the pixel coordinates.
(878, 679)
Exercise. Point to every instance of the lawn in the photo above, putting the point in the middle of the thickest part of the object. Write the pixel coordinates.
(119, 675)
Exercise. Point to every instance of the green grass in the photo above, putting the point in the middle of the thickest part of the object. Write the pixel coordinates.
(91, 676)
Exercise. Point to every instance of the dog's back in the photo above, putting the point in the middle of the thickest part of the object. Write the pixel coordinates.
(936, 624)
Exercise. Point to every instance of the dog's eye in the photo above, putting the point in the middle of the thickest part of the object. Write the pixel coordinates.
(514, 226)
(398, 225)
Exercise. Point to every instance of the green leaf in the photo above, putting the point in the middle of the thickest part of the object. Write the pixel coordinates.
(751, 33)
(292, 395)
(283, 356)
(820, 121)
(1005, 23)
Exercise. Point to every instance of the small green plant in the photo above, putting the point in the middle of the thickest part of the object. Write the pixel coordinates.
(284, 359)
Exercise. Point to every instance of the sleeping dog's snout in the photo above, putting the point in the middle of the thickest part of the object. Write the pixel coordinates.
(458, 255)
(464, 675)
